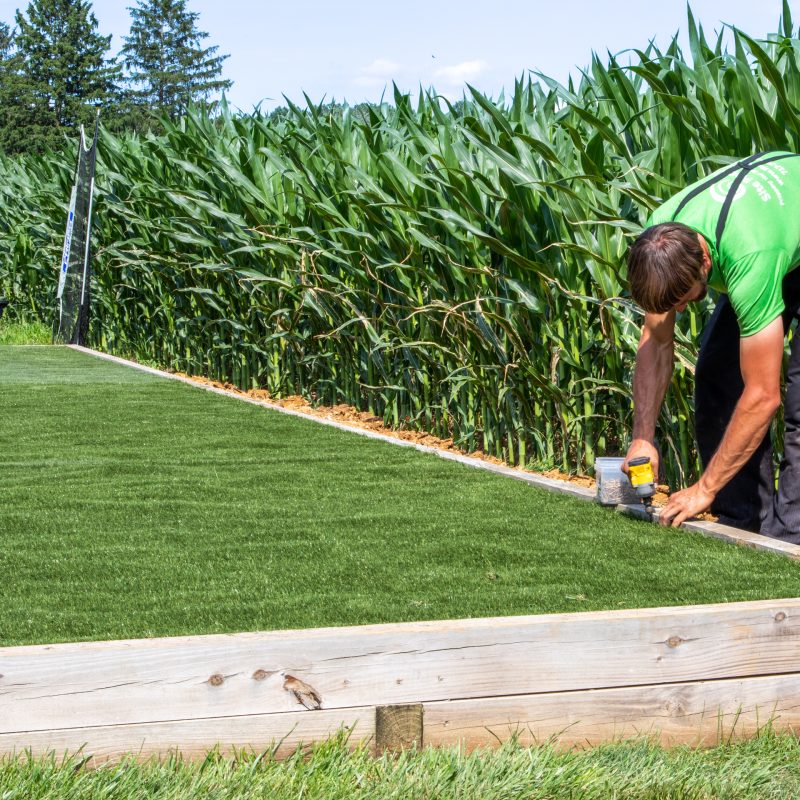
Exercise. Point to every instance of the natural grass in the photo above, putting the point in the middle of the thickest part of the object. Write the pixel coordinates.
(765, 768)
(135, 506)
(13, 332)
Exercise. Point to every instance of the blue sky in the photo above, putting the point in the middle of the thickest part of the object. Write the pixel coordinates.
(353, 49)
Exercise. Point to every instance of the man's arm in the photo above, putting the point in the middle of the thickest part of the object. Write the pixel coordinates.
(654, 362)
(760, 357)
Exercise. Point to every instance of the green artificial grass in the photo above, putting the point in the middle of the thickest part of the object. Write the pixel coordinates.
(13, 332)
(765, 768)
(134, 506)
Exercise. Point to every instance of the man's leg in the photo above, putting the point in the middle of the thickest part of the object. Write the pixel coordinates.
(718, 386)
(783, 518)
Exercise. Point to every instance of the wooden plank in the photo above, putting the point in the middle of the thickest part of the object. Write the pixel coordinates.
(699, 713)
(724, 532)
(542, 481)
(194, 738)
(107, 683)
(744, 538)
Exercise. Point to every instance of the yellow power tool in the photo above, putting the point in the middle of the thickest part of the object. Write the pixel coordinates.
(640, 474)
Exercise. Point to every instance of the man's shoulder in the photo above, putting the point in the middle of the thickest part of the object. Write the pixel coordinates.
(754, 283)
(779, 162)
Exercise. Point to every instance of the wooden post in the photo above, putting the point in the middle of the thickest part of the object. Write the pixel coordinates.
(398, 727)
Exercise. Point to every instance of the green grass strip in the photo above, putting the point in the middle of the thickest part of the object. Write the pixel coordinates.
(135, 506)
(12, 332)
(765, 768)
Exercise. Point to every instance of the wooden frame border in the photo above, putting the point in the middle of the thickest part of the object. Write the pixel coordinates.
(686, 675)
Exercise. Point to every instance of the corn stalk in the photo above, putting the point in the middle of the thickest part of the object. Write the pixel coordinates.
(455, 269)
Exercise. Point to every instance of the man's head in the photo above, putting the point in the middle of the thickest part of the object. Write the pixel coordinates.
(668, 267)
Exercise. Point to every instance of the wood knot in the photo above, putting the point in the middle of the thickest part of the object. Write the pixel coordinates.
(673, 708)
(260, 674)
(304, 693)
(779, 617)
(216, 679)
(674, 641)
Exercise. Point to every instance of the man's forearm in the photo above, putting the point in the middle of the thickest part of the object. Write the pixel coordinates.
(760, 360)
(650, 382)
(748, 426)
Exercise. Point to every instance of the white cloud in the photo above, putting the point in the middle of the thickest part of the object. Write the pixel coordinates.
(369, 81)
(448, 80)
(380, 72)
(383, 68)
(465, 71)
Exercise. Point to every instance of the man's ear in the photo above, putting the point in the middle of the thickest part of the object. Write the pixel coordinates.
(706, 254)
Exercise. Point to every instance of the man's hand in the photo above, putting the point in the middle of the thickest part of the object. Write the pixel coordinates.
(641, 447)
(685, 504)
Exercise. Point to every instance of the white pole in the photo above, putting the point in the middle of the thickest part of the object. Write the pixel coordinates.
(88, 239)
(91, 202)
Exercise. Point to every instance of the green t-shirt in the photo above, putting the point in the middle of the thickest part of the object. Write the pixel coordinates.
(761, 240)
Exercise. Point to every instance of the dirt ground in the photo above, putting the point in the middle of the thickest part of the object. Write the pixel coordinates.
(362, 419)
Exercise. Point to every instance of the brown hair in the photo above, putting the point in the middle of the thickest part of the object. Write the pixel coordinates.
(663, 265)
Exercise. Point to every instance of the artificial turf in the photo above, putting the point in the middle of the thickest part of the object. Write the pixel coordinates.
(138, 506)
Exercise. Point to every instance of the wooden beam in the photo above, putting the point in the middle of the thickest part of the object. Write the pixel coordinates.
(725, 532)
(699, 713)
(281, 733)
(160, 680)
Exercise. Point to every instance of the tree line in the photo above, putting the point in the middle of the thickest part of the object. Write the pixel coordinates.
(56, 69)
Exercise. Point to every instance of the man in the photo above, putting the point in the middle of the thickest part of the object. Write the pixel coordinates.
(737, 231)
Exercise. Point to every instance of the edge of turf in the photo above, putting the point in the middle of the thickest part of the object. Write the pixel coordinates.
(711, 529)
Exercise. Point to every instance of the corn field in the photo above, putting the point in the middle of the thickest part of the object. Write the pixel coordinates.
(458, 269)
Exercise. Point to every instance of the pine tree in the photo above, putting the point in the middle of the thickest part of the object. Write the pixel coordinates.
(21, 117)
(9, 88)
(167, 67)
(6, 43)
(61, 71)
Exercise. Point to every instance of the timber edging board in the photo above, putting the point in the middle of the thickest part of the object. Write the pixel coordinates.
(712, 529)
(684, 675)
(725, 532)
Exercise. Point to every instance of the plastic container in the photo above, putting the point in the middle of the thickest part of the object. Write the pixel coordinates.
(613, 486)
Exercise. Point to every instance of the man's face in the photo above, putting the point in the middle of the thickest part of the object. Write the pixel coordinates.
(700, 288)
(697, 292)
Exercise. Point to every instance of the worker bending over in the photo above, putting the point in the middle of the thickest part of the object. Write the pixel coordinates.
(737, 231)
